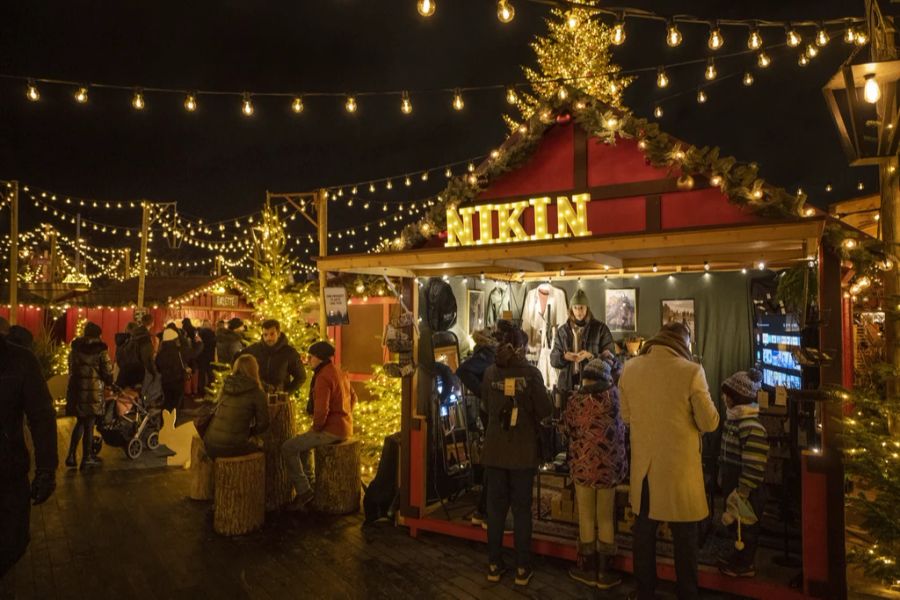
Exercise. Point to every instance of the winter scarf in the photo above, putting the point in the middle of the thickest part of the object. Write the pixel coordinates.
(670, 340)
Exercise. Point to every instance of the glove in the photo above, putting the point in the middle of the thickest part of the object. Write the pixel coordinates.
(43, 486)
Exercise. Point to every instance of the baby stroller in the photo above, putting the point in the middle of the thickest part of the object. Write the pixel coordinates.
(128, 424)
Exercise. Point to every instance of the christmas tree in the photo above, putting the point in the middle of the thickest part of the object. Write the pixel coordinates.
(872, 462)
(376, 418)
(573, 58)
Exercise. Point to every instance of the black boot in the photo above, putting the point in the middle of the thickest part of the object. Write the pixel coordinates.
(89, 463)
(585, 570)
(606, 578)
(73, 448)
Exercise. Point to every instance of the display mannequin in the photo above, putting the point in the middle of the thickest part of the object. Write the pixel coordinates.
(545, 310)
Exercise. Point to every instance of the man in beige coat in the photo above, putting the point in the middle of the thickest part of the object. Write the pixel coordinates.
(665, 400)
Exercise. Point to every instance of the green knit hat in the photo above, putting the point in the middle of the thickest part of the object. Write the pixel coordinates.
(580, 299)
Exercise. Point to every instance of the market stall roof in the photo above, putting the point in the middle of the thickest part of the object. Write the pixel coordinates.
(596, 191)
(157, 290)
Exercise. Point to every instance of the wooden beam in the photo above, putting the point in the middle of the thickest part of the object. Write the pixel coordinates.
(520, 264)
(602, 259)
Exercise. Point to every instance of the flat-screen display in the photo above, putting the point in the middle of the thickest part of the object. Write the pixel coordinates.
(772, 378)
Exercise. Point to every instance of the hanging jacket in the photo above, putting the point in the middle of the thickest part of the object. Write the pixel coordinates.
(279, 364)
(90, 369)
(516, 447)
(241, 412)
(593, 422)
(595, 338)
(170, 362)
(497, 302)
(24, 393)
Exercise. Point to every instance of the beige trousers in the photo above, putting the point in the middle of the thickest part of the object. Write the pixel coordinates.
(596, 514)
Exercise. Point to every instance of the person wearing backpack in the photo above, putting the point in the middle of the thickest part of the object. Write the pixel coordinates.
(89, 371)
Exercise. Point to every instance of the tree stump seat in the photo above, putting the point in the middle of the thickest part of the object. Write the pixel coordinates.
(203, 477)
(279, 490)
(337, 478)
(240, 494)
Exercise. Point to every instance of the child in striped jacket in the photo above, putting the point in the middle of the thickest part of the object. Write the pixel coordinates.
(745, 450)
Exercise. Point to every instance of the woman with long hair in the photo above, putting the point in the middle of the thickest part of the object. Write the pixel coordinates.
(241, 412)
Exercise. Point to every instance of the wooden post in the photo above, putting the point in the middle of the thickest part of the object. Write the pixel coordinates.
(322, 220)
(145, 234)
(127, 260)
(51, 274)
(279, 490)
(14, 253)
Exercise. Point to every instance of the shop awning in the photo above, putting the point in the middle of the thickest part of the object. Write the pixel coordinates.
(726, 248)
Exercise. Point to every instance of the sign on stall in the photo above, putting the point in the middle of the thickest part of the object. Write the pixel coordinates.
(336, 306)
(225, 300)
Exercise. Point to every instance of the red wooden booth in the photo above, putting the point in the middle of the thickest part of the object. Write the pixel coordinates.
(622, 217)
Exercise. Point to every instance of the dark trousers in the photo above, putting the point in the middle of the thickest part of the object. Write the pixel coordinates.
(83, 432)
(685, 540)
(509, 489)
(173, 395)
(15, 511)
(204, 376)
(749, 533)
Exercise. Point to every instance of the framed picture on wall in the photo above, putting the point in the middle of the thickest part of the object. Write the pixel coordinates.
(680, 311)
(621, 309)
(475, 312)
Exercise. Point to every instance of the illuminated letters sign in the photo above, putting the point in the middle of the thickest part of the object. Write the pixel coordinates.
(571, 221)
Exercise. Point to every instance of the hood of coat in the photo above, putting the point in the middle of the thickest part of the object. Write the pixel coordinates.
(238, 383)
(87, 345)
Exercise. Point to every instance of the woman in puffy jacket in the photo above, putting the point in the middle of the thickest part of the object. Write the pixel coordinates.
(241, 412)
(90, 370)
(171, 362)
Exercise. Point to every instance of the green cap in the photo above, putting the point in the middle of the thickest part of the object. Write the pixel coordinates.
(580, 299)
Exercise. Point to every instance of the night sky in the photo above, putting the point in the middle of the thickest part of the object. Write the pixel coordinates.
(218, 164)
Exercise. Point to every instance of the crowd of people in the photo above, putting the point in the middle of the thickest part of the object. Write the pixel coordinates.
(640, 423)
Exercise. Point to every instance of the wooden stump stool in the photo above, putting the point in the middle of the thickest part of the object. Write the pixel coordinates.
(337, 478)
(203, 477)
(279, 490)
(240, 494)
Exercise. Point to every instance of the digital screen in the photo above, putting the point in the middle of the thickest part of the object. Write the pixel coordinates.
(772, 378)
(781, 340)
(780, 358)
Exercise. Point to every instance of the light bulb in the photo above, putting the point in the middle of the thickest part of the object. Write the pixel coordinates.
(511, 96)
(618, 32)
(673, 36)
(706, 265)
(658, 111)
(81, 95)
(871, 89)
(448, 173)
(562, 94)
(571, 20)
(190, 103)
(821, 37)
(715, 180)
(812, 51)
(793, 38)
(425, 7)
(350, 104)
(458, 103)
(407, 181)
(247, 106)
(405, 104)
(372, 187)
(424, 175)
(710, 72)
(763, 60)
(662, 80)
(716, 40)
(850, 33)
(471, 167)
(505, 11)
(754, 41)
(137, 101)
(748, 78)
(389, 185)
(31, 92)
(701, 97)
(828, 187)
(803, 60)
(297, 105)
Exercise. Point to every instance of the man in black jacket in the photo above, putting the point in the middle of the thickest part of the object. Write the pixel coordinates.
(206, 357)
(23, 392)
(280, 368)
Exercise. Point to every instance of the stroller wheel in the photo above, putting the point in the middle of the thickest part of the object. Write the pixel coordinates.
(134, 448)
(153, 440)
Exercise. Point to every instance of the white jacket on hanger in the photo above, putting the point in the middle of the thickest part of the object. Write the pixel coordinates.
(540, 322)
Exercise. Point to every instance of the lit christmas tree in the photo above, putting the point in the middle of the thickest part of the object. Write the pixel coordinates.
(376, 418)
(574, 57)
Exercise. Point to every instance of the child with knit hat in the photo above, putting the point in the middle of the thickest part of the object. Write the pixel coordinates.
(745, 450)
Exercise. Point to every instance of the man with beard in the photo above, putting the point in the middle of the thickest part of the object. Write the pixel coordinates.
(280, 368)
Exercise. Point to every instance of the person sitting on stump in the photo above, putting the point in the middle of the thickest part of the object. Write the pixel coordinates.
(280, 368)
(331, 399)
(241, 413)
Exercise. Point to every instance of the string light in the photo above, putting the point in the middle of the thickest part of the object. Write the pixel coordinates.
(31, 92)
(862, 38)
(822, 38)
(662, 80)
(81, 95)
(506, 12)
(350, 104)
(701, 96)
(425, 7)
(673, 36)
(247, 105)
(657, 112)
(754, 41)
(716, 41)
(511, 96)
(803, 60)
(871, 89)
(618, 31)
(850, 33)
(297, 105)
(458, 103)
(710, 72)
(137, 101)
(190, 103)
(405, 103)
(748, 79)
(763, 60)
(812, 51)
(793, 38)
(571, 20)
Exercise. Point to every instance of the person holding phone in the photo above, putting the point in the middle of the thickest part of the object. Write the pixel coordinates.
(581, 339)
